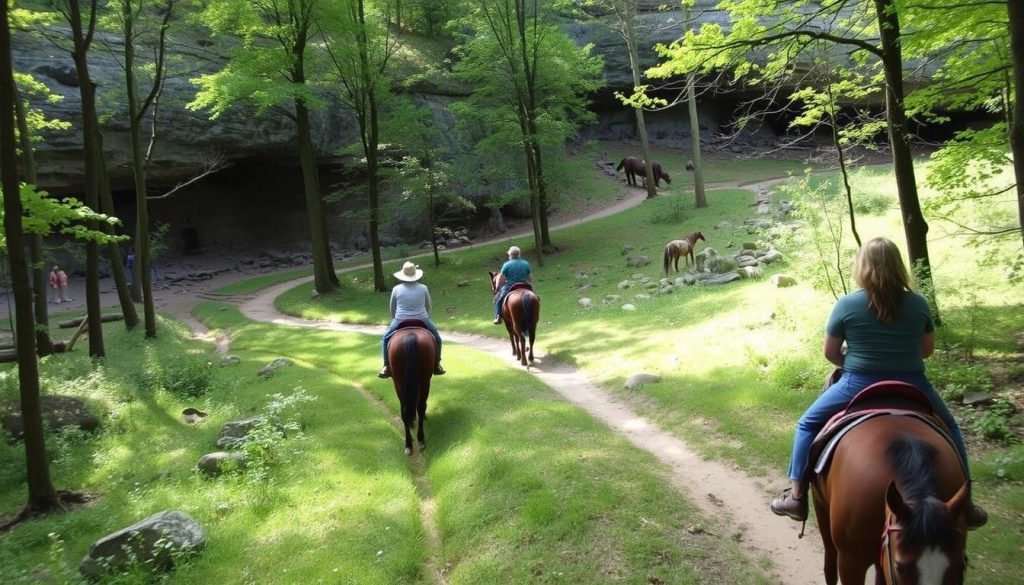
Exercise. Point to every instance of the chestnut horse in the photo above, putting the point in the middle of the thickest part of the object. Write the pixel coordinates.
(894, 496)
(412, 352)
(677, 248)
(635, 166)
(520, 311)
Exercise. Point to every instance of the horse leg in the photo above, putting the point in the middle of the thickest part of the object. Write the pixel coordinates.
(851, 570)
(421, 412)
(825, 528)
(522, 348)
(408, 437)
(533, 336)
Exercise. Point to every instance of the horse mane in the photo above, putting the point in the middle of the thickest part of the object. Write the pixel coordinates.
(930, 520)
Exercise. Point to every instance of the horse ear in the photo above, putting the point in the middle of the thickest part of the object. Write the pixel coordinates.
(958, 503)
(894, 499)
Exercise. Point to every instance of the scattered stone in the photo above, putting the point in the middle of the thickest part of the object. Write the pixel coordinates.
(742, 261)
(462, 283)
(229, 360)
(783, 280)
(624, 285)
(193, 415)
(680, 281)
(268, 370)
(976, 399)
(637, 261)
(626, 249)
(690, 278)
(586, 303)
(749, 246)
(612, 298)
(640, 276)
(154, 542)
(629, 307)
(59, 413)
(750, 271)
(771, 256)
(666, 290)
(637, 380)
(721, 278)
(214, 464)
(642, 297)
(232, 433)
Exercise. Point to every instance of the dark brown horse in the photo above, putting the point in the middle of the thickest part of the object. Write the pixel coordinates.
(635, 166)
(412, 353)
(520, 311)
(894, 496)
(684, 248)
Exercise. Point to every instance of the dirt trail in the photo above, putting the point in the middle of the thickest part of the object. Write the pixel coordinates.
(732, 501)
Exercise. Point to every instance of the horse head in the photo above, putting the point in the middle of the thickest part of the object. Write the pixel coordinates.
(494, 281)
(924, 541)
(700, 236)
(665, 176)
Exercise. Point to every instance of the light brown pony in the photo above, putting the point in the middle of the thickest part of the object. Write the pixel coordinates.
(412, 352)
(684, 248)
(520, 311)
(894, 496)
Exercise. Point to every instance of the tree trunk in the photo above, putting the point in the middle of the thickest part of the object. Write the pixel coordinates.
(914, 226)
(44, 345)
(41, 494)
(641, 127)
(700, 198)
(371, 141)
(90, 134)
(1015, 8)
(324, 279)
(131, 316)
(142, 277)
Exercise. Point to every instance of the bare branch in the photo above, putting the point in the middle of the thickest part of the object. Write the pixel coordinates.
(213, 163)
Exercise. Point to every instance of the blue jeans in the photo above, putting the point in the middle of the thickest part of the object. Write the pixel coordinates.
(838, 395)
(500, 298)
(394, 327)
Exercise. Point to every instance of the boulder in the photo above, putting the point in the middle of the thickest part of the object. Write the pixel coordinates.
(59, 412)
(233, 432)
(218, 462)
(268, 370)
(783, 280)
(637, 380)
(154, 542)
(586, 303)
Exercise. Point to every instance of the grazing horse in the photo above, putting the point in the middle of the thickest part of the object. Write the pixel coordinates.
(520, 311)
(894, 495)
(635, 166)
(684, 248)
(412, 352)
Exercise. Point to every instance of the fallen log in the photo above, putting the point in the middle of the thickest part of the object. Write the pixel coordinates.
(103, 319)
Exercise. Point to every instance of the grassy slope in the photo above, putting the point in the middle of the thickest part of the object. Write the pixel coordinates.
(739, 363)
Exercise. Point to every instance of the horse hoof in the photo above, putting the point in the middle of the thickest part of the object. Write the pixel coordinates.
(408, 451)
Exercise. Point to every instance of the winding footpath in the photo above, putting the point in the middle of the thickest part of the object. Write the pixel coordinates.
(732, 502)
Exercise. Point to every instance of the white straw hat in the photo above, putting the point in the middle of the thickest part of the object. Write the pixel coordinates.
(409, 272)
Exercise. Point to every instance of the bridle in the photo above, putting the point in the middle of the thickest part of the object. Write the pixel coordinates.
(886, 557)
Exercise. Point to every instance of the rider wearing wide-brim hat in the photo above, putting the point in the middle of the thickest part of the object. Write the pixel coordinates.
(410, 299)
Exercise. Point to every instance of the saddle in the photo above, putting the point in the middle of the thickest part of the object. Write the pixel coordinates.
(520, 285)
(406, 323)
(886, 398)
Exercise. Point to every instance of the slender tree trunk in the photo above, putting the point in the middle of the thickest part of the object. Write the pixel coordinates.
(41, 494)
(324, 279)
(1015, 8)
(843, 171)
(700, 199)
(914, 226)
(44, 345)
(142, 277)
(90, 134)
(641, 127)
(371, 141)
(131, 316)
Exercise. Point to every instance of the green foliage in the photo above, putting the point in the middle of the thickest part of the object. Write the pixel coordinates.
(993, 422)
(185, 378)
(45, 215)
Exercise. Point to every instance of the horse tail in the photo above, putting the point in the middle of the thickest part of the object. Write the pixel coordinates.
(668, 259)
(410, 377)
(622, 163)
(526, 318)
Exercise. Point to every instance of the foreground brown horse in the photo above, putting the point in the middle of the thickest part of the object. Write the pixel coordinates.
(411, 354)
(677, 248)
(894, 496)
(635, 166)
(520, 312)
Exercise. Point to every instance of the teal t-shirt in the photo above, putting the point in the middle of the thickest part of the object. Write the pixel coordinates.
(875, 347)
(517, 270)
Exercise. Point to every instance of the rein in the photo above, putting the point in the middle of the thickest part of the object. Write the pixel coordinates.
(886, 552)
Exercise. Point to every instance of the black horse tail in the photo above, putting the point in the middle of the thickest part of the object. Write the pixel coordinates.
(668, 259)
(410, 377)
(622, 163)
(527, 316)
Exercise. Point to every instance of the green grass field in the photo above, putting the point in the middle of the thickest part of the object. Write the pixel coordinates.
(521, 486)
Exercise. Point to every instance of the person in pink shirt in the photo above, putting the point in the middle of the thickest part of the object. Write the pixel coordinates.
(59, 284)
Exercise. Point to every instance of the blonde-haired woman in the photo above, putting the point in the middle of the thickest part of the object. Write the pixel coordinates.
(888, 330)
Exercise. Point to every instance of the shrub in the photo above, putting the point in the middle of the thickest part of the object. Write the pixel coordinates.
(994, 422)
